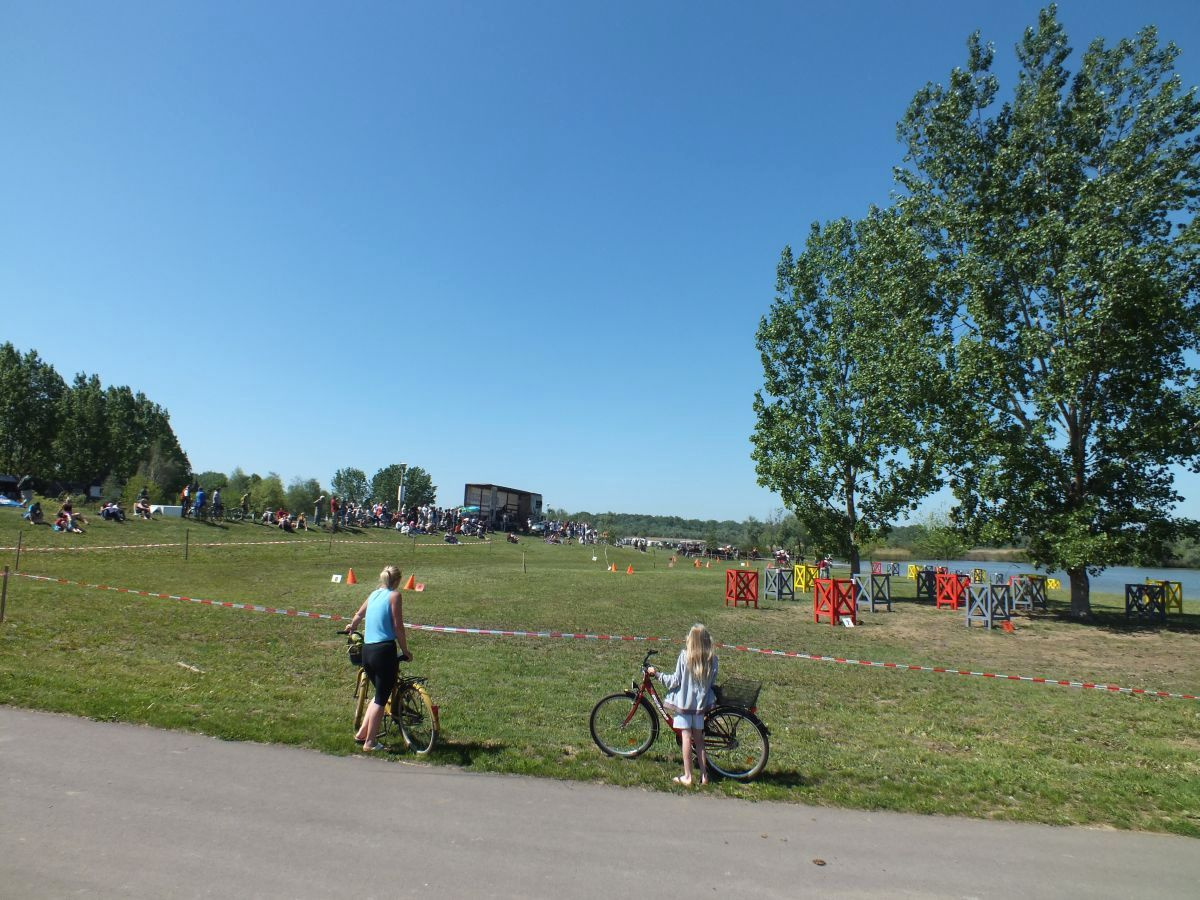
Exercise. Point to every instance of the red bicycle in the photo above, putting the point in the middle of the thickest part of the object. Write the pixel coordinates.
(735, 739)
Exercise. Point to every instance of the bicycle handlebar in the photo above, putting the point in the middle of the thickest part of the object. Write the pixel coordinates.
(646, 660)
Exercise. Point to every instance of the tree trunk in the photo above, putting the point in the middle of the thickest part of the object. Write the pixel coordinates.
(854, 559)
(1081, 587)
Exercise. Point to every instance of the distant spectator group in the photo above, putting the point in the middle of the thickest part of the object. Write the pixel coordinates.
(556, 532)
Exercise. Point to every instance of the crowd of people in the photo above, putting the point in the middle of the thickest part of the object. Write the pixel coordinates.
(328, 512)
(556, 532)
(66, 519)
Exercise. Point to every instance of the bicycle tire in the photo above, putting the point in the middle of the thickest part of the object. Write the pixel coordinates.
(736, 743)
(363, 693)
(621, 731)
(416, 718)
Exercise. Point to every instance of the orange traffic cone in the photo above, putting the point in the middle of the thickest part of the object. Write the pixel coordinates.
(629, 571)
(411, 584)
(708, 565)
(350, 579)
(697, 563)
(613, 567)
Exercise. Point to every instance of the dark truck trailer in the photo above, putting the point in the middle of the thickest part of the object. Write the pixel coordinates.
(495, 502)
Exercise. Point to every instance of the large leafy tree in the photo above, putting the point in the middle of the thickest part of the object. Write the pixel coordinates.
(82, 447)
(136, 426)
(845, 432)
(302, 494)
(385, 483)
(419, 488)
(268, 493)
(1062, 225)
(31, 393)
(351, 484)
(162, 474)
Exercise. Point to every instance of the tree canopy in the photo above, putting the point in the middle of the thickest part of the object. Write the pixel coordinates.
(351, 484)
(1062, 226)
(82, 433)
(845, 427)
(1046, 272)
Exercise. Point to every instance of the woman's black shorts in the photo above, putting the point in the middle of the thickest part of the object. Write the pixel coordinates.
(381, 662)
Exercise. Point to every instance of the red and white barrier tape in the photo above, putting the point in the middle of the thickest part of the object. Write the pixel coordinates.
(575, 635)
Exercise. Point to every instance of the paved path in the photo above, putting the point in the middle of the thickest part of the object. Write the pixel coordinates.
(105, 810)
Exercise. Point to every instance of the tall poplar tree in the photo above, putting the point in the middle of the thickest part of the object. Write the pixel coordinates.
(1062, 223)
(847, 427)
(31, 393)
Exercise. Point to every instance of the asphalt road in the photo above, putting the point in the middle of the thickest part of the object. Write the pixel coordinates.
(90, 809)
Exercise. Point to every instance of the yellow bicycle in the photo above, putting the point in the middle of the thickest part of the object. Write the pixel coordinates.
(409, 708)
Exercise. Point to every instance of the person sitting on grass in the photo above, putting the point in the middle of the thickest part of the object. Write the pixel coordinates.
(73, 521)
(142, 508)
(34, 514)
(65, 522)
(112, 512)
(301, 522)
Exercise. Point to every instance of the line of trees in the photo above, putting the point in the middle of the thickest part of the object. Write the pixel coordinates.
(778, 530)
(300, 494)
(81, 434)
(1021, 324)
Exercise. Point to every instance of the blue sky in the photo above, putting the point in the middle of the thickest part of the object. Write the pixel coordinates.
(525, 243)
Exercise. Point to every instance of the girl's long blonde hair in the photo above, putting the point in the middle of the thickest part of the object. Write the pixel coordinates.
(699, 653)
(390, 578)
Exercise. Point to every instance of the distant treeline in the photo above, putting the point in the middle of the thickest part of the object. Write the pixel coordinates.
(932, 539)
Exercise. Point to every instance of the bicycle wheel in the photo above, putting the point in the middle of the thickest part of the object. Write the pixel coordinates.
(416, 718)
(364, 691)
(735, 742)
(621, 728)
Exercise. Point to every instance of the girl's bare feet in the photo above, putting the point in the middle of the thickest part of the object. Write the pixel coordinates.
(679, 779)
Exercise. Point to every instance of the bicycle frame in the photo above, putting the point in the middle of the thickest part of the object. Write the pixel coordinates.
(405, 684)
(647, 689)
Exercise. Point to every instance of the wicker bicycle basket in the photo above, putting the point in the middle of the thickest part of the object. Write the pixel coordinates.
(738, 692)
(354, 652)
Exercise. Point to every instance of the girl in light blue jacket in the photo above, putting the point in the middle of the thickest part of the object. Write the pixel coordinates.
(690, 696)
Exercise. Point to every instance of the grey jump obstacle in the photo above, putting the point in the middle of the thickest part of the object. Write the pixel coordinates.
(781, 583)
(873, 588)
(988, 604)
(1028, 592)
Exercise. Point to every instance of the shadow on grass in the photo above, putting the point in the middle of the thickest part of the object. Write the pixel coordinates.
(464, 753)
(788, 779)
(1116, 623)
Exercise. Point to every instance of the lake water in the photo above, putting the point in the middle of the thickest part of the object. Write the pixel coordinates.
(1110, 581)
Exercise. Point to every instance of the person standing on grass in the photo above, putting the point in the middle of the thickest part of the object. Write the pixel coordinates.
(690, 695)
(25, 486)
(382, 615)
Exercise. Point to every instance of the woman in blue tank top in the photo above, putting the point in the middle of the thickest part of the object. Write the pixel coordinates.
(382, 615)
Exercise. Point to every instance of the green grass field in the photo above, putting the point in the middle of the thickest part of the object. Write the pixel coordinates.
(841, 735)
